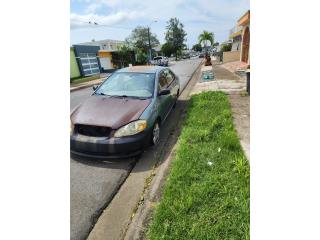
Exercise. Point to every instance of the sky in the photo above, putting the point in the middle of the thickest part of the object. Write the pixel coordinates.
(117, 18)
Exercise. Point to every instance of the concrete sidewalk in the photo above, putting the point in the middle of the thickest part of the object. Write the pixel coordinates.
(74, 87)
(235, 88)
(224, 81)
(86, 84)
(221, 72)
(240, 106)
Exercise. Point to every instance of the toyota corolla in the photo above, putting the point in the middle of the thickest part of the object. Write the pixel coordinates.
(125, 113)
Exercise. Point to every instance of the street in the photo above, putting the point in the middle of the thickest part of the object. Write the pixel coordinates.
(94, 183)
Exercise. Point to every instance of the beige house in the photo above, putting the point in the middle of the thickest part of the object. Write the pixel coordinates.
(244, 22)
(240, 38)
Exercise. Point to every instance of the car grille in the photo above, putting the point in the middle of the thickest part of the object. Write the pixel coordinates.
(92, 131)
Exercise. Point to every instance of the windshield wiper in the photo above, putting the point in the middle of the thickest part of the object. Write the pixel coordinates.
(126, 96)
(100, 93)
(121, 96)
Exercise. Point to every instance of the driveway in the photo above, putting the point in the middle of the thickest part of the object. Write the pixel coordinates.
(94, 183)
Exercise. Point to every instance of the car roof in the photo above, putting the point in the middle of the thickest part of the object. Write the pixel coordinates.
(142, 69)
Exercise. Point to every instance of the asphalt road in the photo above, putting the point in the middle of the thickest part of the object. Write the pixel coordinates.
(94, 183)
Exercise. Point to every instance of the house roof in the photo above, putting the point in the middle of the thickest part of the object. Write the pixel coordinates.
(101, 42)
(244, 19)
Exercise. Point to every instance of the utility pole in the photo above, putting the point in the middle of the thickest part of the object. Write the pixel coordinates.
(149, 55)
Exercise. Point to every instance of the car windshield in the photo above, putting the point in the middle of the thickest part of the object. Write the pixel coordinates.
(157, 58)
(128, 84)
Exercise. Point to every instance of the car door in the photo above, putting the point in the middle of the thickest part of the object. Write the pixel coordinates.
(173, 84)
(164, 100)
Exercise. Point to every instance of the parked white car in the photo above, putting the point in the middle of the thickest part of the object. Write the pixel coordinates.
(160, 61)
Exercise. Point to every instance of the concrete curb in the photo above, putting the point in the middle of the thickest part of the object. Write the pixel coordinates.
(83, 86)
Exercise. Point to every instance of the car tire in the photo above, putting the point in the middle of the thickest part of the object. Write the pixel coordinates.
(155, 134)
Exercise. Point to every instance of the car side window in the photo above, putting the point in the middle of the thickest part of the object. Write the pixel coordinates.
(162, 80)
(170, 77)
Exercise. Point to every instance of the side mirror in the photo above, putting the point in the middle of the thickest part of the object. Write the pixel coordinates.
(94, 87)
(164, 92)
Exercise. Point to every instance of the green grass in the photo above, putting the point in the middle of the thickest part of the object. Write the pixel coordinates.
(83, 79)
(202, 201)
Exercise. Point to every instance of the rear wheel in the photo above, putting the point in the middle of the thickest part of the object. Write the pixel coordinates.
(155, 136)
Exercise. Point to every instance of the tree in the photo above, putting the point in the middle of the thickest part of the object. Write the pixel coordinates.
(175, 35)
(124, 54)
(197, 47)
(138, 40)
(206, 36)
(167, 49)
(141, 56)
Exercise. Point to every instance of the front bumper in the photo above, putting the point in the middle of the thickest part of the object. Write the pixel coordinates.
(102, 147)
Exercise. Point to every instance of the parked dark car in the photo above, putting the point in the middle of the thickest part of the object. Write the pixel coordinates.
(125, 113)
(201, 55)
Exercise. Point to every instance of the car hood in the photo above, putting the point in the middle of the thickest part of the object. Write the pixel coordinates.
(109, 111)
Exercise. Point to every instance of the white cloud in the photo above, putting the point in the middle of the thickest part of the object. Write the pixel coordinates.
(81, 21)
(217, 16)
(185, 10)
(92, 8)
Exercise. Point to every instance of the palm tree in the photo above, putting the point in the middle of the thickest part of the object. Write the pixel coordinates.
(206, 36)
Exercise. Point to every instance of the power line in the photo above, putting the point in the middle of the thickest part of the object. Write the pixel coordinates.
(95, 24)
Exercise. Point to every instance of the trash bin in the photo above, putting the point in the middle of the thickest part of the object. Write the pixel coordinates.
(248, 81)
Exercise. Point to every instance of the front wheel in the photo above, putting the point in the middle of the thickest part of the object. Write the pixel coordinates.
(155, 136)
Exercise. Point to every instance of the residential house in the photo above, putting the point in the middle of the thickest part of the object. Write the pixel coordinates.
(74, 69)
(87, 59)
(107, 44)
(239, 36)
(106, 48)
(223, 44)
(109, 59)
(244, 22)
(94, 57)
(235, 36)
(235, 41)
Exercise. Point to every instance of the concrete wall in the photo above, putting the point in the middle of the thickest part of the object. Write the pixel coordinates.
(231, 56)
(74, 69)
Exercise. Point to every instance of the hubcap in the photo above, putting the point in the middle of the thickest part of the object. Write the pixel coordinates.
(156, 134)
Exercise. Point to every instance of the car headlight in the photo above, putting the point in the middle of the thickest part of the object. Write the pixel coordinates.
(131, 128)
(71, 127)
